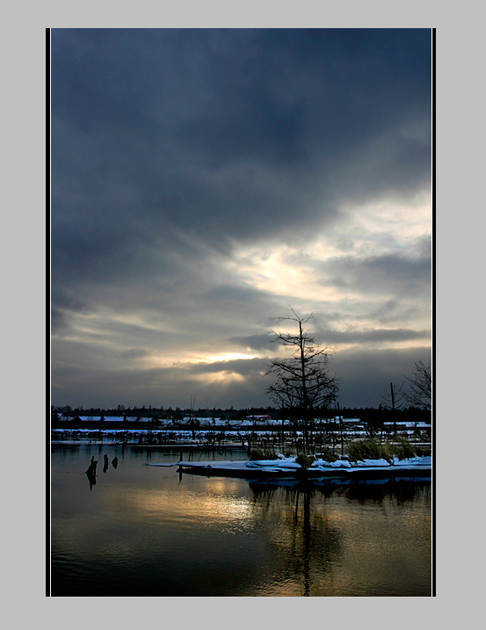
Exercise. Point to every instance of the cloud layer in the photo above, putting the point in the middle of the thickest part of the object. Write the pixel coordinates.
(204, 180)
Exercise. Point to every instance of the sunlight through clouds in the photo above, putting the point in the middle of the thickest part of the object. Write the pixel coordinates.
(198, 191)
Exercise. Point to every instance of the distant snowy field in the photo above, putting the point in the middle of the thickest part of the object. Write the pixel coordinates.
(207, 426)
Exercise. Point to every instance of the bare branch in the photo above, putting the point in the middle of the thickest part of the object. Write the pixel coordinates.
(420, 388)
(302, 379)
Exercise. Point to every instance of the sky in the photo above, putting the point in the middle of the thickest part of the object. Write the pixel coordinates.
(204, 182)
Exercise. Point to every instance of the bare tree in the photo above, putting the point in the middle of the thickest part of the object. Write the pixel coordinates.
(395, 400)
(420, 391)
(393, 403)
(303, 382)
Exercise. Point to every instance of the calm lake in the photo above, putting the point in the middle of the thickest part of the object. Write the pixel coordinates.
(144, 530)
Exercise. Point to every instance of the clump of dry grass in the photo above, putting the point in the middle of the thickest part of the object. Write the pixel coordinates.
(374, 449)
(402, 449)
(259, 454)
(327, 455)
(367, 449)
(305, 460)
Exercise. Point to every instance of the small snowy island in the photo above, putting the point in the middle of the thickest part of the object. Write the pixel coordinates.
(290, 468)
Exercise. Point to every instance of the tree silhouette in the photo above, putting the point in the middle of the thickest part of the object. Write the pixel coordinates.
(420, 392)
(303, 382)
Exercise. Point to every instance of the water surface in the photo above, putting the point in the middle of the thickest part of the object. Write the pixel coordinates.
(144, 530)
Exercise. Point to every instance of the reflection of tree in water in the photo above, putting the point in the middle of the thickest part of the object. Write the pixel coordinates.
(297, 527)
(399, 491)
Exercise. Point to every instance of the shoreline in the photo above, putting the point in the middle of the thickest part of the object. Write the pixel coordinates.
(287, 468)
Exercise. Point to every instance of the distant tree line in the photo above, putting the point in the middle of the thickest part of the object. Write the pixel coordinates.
(231, 414)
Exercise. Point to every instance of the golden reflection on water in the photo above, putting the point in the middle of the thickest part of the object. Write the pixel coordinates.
(215, 507)
(231, 537)
(312, 535)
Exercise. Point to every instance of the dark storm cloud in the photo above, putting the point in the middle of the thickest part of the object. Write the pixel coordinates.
(368, 374)
(389, 274)
(375, 336)
(174, 386)
(325, 334)
(172, 147)
(134, 353)
(232, 293)
(226, 133)
(254, 342)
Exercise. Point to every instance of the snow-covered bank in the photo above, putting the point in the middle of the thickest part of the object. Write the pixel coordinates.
(288, 467)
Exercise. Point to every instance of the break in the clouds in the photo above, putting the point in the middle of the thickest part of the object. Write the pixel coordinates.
(204, 180)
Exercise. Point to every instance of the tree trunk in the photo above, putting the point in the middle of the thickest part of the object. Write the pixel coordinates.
(304, 389)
